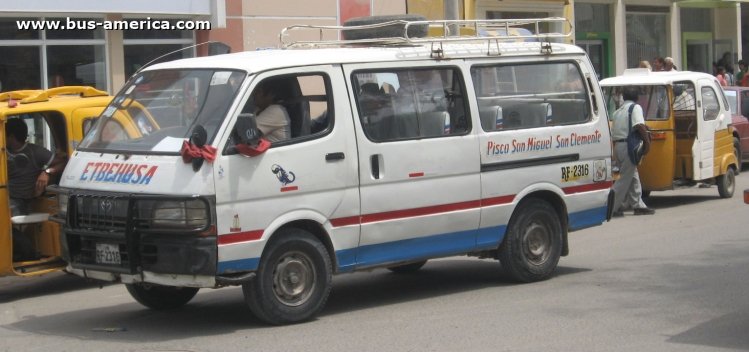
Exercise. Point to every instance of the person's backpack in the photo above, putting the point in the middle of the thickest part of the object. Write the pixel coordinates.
(635, 144)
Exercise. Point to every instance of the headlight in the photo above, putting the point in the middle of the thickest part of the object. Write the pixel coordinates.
(62, 204)
(187, 214)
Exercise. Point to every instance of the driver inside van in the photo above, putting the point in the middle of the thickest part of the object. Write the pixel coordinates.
(272, 118)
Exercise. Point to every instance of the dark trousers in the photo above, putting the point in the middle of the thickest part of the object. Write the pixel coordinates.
(23, 247)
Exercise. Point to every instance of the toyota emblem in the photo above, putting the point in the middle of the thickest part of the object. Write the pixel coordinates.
(106, 206)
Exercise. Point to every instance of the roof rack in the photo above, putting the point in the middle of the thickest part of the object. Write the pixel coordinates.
(38, 95)
(489, 31)
(18, 94)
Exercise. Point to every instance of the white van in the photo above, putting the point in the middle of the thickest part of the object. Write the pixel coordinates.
(398, 151)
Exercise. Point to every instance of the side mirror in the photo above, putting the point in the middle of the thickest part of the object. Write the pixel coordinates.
(249, 141)
(246, 129)
(198, 137)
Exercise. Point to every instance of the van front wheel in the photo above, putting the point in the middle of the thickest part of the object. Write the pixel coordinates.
(160, 297)
(293, 279)
(727, 184)
(533, 244)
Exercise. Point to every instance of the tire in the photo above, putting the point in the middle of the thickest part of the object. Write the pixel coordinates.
(737, 151)
(293, 279)
(533, 244)
(160, 297)
(407, 268)
(390, 31)
(727, 183)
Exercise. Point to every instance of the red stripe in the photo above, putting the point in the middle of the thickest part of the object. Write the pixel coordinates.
(416, 174)
(407, 213)
(289, 188)
(240, 237)
(351, 220)
(588, 188)
(497, 200)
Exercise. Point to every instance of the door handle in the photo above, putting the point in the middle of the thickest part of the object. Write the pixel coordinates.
(335, 156)
(375, 163)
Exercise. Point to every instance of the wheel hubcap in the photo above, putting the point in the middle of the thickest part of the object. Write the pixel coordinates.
(537, 244)
(294, 279)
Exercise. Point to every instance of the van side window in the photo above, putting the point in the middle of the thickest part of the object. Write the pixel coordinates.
(290, 108)
(710, 104)
(530, 95)
(410, 104)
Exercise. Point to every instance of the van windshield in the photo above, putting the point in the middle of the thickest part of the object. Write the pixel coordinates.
(158, 110)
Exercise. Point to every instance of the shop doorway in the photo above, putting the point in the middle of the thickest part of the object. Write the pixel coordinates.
(697, 52)
(596, 50)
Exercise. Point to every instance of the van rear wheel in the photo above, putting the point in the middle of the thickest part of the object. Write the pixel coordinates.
(727, 183)
(293, 279)
(160, 297)
(533, 244)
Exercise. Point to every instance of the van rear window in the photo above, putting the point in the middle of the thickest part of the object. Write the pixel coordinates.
(514, 96)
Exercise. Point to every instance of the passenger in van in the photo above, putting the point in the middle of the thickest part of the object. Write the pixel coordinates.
(272, 118)
(572, 81)
(627, 189)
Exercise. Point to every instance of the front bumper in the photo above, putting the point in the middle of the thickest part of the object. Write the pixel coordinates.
(140, 249)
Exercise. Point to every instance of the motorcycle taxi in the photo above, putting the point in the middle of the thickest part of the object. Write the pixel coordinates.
(689, 121)
(57, 119)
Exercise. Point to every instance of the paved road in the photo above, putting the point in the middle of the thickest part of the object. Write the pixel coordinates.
(676, 281)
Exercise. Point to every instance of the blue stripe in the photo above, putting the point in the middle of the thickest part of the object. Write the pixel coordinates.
(490, 237)
(423, 247)
(240, 265)
(587, 218)
(417, 248)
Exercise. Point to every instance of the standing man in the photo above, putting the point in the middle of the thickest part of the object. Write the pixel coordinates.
(627, 189)
(741, 73)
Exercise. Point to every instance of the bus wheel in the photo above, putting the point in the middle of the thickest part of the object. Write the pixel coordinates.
(407, 268)
(727, 184)
(161, 297)
(533, 243)
(293, 279)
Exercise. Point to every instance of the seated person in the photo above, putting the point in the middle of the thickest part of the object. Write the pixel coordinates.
(683, 100)
(29, 169)
(271, 117)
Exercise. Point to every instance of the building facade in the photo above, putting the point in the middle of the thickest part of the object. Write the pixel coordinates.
(617, 34)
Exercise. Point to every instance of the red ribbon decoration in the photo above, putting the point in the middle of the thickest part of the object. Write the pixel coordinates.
(249, 150)
(191, 151)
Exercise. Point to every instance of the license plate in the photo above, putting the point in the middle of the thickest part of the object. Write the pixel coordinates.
(107, 253)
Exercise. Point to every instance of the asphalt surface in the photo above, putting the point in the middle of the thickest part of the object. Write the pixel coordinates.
(674, 281)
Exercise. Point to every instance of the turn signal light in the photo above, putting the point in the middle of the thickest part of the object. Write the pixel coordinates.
(746, 196)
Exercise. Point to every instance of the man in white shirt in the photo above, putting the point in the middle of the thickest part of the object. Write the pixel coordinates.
(272, 118)
(627, 189)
